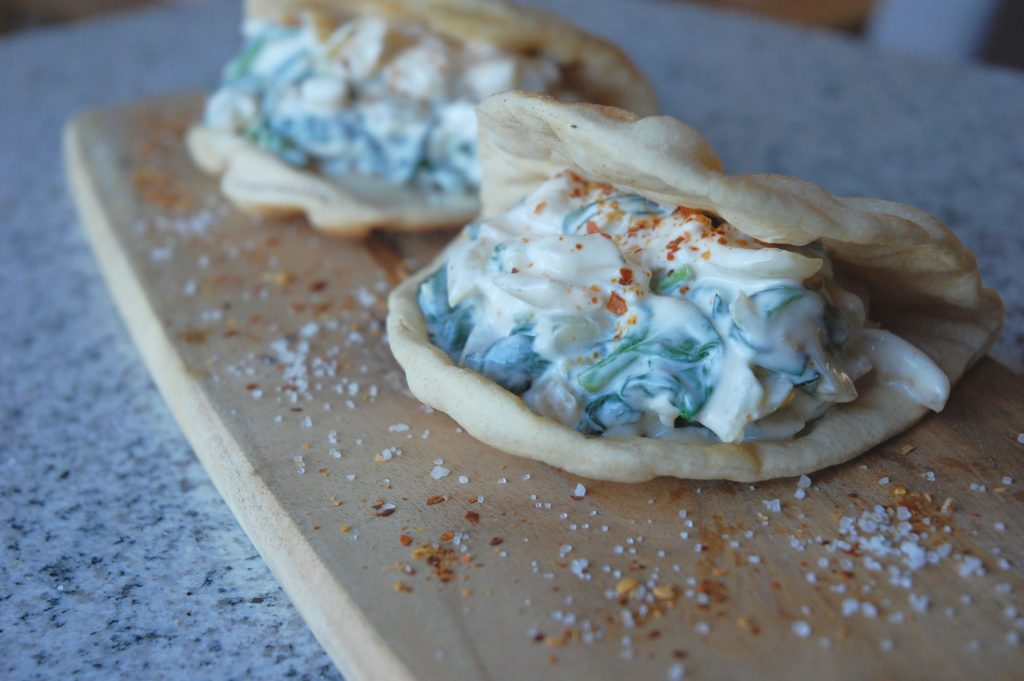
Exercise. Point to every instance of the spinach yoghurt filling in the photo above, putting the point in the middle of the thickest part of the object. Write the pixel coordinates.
(617, 315)
(368, 97)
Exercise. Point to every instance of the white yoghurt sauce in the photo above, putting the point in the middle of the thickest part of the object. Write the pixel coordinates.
(613, 314)
(370, 97)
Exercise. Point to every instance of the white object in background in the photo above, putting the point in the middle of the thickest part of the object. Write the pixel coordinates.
(948, 29)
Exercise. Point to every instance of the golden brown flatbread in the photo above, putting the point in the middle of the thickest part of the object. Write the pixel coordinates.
(923, 284)
(258, 182)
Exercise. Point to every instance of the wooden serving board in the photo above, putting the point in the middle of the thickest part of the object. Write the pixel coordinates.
(266, 340)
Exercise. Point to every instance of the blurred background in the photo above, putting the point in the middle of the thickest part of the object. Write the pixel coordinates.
(990, 31)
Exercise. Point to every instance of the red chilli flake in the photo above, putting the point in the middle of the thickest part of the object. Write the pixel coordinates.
(625, 276)
(616, 305)
(473, 517)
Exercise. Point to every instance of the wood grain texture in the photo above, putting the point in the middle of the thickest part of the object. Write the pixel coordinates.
(485, 579)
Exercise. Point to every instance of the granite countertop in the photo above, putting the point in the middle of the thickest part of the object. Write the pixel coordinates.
(118, 557)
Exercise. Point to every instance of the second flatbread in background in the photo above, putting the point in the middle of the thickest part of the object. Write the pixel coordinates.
(359, 113)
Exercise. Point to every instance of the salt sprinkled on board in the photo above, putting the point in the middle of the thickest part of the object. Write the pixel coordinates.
(579, 567)
(773, 505)
(389, 453)
(676, 672)
(580, 491)
(463, 479)
(971, 566)
(439, 472)
(801, 629)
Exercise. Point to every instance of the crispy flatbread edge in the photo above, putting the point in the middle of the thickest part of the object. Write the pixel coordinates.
(259, 183)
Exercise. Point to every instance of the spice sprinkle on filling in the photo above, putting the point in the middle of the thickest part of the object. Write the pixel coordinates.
(617, 315)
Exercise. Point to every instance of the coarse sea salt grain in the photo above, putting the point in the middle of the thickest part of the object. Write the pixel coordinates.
(676, 672)
(579, 567)
(801, 629)
(580, 491)
(463, 479)
(438, 472)
(389, 453)
(971, 566)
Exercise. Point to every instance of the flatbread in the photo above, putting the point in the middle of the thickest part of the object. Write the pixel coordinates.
(259, 182)
(924, 286)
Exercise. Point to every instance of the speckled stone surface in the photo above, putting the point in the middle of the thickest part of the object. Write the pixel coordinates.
(118, 558)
